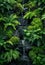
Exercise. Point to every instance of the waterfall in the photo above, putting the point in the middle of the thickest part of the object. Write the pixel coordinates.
(23, 46)
(24, 56)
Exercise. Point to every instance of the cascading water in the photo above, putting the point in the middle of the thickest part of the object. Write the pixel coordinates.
(23, 45)
(24, 57)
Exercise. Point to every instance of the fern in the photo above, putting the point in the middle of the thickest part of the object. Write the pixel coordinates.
(8, 56)
(13, 40)
(33, 31)
(34, 13)
(11, 21)
(43, 17)
(36, 54)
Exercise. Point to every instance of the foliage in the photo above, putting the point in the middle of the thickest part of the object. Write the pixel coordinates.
(43, 16)
(9, 55)
(33, 12)
(37, 55)
(9, 6)
(8, 24)
(19, 0)
(13, 40)
(11, 21)
(35, 32)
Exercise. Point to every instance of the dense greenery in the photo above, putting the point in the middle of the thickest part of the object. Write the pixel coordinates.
(10, 12)
(8, 24)
(35, 31)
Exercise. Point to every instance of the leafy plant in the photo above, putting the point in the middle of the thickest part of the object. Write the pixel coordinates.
(37, 55)
(8, 24)
(8, 56)
(43, 17)
(31, 14)
(9, 6)
(19, 0)
(11, 24)
(13, 40)
(33, 31)
(11, 21)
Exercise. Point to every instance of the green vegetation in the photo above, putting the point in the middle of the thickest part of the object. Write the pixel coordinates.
(8, 24)
(35, 31)
(10, 13)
